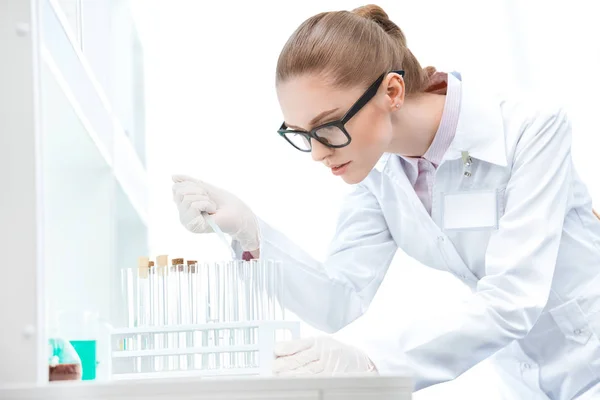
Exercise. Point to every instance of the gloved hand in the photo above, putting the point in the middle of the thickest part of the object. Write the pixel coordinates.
(321, 355)
(232, 215)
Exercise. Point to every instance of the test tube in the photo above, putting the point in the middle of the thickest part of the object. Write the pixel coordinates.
(269, 269)
(237, 313)
(214, 293)
(142, 364)
(145, 320)
(154, 339)
(181, 310)
(171, 316)
(174, 308)
(280, 292)
(162, 320)
(192, 314)
(243, 304)
(261, 291)
(231, 301)
(254, 302)
(204, 310)
(231, 304)
(223, 334)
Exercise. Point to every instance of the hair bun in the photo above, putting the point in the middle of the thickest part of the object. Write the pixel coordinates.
(371, 11)
(377, 15)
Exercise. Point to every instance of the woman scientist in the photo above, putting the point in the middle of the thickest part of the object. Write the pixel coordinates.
(481, 187)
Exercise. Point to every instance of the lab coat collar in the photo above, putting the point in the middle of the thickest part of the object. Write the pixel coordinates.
(382, 162)
(480, 129)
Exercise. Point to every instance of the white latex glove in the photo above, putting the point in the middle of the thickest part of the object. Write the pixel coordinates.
(232, 215)
(320, 355)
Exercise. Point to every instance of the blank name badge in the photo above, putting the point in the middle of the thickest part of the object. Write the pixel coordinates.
(472, 210)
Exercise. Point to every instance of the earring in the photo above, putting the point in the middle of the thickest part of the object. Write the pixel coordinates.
(397, 105)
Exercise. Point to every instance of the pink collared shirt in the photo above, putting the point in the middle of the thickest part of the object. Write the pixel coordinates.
(421, 170)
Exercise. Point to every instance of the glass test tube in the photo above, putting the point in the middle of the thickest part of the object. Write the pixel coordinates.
(152, 280)
(244, 312)
(223, 334)
(213, 287)
(171, 313)
(254, 284)
(191, 315)
(241, 314)
(232, 314)
(144, 342)
(204, 311)
(162, 311)
(141, 318)
(238, 357)
(180, 295)
(279, 296)
(280, 289)
(229, 306)
(173, 305)
(232, 307)
(270, 272)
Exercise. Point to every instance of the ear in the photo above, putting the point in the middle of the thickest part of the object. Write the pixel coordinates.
(395, 90)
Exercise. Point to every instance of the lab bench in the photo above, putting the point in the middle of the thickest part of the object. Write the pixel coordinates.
(309, 388)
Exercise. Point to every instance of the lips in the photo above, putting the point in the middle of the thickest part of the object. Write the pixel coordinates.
(339, 169)
(336, 166)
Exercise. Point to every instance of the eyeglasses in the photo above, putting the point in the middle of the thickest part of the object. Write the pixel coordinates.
(332, 134)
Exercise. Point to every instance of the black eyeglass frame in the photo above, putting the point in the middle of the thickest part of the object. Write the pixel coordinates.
(340, 123)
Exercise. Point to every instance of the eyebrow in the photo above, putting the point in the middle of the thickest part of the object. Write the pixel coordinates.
(316, 120)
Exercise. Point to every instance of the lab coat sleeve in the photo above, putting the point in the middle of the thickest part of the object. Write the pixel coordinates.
(333, 293)
(520, 262)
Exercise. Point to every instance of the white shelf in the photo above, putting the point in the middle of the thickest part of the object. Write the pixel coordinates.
(95, 185)
(62, 54)
(238, 388)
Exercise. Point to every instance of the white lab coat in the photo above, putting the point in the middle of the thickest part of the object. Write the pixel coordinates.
(535, 278)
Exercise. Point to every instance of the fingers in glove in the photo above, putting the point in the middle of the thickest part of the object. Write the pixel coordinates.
(198, 224)
(182, 189)
(295, 361)
(188, 199)
(200, 202)
(184, 178)
(293, 346)
(189, 187)
(204, 206)
(188, 180)
(313, 368)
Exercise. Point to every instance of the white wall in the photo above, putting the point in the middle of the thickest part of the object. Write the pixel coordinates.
(212, 113)
(563, 55)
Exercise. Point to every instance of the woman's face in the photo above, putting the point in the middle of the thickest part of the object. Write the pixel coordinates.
(308, 101)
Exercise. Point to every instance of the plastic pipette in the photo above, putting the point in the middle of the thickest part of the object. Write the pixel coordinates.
(211, 222)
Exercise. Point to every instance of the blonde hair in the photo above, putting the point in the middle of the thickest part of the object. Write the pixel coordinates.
(350, 48)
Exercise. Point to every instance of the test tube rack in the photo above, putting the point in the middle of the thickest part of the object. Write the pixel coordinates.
(217, 318)
(209, 361)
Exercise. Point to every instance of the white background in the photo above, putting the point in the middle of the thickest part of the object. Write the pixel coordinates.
(213, 114)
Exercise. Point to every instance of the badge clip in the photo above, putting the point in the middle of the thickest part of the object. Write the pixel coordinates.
(467, 162)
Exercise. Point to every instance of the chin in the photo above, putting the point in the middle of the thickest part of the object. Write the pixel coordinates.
(354, 178)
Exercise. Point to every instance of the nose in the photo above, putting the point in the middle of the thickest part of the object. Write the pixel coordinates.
(319, 151)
